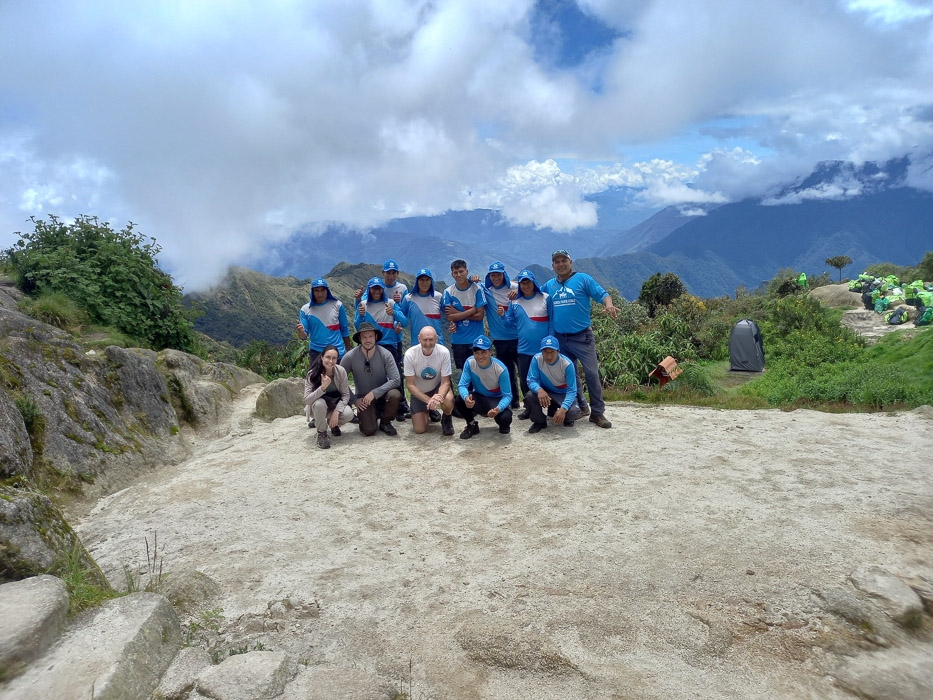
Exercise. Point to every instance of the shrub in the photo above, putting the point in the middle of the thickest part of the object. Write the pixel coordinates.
(112, 275)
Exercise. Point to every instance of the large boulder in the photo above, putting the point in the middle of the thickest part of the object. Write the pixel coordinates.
(35, 538)
(201, 390)
(281, 398)
(15, 448)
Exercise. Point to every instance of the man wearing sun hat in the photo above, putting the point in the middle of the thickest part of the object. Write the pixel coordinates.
(376, 381)
(552, 388)
(570, 293)
(484, 389)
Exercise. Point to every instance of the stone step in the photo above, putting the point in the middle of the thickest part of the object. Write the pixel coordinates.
(118, 650)
(32, 615)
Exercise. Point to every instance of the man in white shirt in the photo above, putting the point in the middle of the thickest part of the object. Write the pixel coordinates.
(427, 375)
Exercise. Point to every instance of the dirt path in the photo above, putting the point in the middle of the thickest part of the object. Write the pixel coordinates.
(672, 556)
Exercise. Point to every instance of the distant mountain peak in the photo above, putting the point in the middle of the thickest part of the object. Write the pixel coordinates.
(837, 179)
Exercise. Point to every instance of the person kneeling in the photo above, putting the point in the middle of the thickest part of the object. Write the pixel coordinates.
(552, 388)
(491, 393)
(376, 379)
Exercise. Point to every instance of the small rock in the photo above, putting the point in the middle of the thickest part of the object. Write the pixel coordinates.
(183, 673)
(495, 642)
(896, 598)
(253, 676)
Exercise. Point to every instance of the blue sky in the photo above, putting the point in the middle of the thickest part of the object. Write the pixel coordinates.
(220, 126)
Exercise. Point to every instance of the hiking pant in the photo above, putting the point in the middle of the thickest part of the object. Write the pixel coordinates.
(581, 347)
(536, 412)
(384, 408)
(507, 354)
(483, 405)
(397, 355)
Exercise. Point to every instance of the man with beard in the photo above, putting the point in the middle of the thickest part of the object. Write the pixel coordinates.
(376, 381)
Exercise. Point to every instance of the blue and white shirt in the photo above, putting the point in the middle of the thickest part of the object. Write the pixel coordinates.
(557, 378)
(570, 301)
(463, 300)
(492, 381)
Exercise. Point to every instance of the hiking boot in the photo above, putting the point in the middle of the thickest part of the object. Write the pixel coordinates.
(335, 431)
(434, 415)
(387, 428)
(311, 423)
(505, 429)
(584, 411)
(536, 428)
(600, 420)
(447, 425)
(568, 423)
(515, 405)
(524, 415)
(356, 420)
(322, 440)
(402, 415)
(469, 431)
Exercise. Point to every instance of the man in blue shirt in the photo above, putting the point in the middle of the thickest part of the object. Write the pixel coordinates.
(552, 388)
(570, 293)
(484, 389)
(465, 307)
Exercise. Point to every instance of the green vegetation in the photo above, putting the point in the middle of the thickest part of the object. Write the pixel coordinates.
(86, 585)
(812, 360)
(86, 272)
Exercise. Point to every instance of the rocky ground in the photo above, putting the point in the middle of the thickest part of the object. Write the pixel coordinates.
(684, 553)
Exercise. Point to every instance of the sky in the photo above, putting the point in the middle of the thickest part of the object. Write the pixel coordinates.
(221, 126)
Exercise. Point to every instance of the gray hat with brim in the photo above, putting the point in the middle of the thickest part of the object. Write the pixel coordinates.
(366, 327)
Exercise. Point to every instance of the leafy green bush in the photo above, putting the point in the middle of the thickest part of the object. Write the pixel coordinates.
(112, 275)
(274, 361)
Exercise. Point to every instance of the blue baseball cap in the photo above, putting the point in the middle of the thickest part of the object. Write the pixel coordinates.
(482, 343)
(424, 272)
(549, 341)
(376, 282)
(389, 265)
(497, 267)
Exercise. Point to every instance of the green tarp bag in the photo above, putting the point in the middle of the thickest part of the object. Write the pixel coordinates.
(925, 297)
(802, 280)
(925, 317)
(893, 280)
(881, 305)
(896, 316)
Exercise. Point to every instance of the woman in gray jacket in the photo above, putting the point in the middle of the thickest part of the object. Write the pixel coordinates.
(327, 395)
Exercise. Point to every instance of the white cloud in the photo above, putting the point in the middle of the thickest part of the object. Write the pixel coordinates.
(219, 126)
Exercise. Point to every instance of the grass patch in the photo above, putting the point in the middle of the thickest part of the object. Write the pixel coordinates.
(86, 585)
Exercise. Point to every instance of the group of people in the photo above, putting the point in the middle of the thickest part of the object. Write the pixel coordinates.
(539, 333)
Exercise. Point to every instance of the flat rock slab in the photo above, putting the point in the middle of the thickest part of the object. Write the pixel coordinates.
(33, 613)
(119, 650)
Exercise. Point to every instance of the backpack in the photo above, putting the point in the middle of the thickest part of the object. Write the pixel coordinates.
(896, 316)
(925, 317)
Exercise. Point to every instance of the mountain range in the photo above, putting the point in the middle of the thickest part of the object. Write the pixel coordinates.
(866, 212)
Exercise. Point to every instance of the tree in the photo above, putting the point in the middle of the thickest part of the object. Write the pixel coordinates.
(660, 290)
(839, 262)
(113, 275)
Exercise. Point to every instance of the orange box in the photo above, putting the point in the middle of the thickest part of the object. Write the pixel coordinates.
(666, 371)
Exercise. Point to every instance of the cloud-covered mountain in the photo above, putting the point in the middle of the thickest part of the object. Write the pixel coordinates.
(864, 211)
